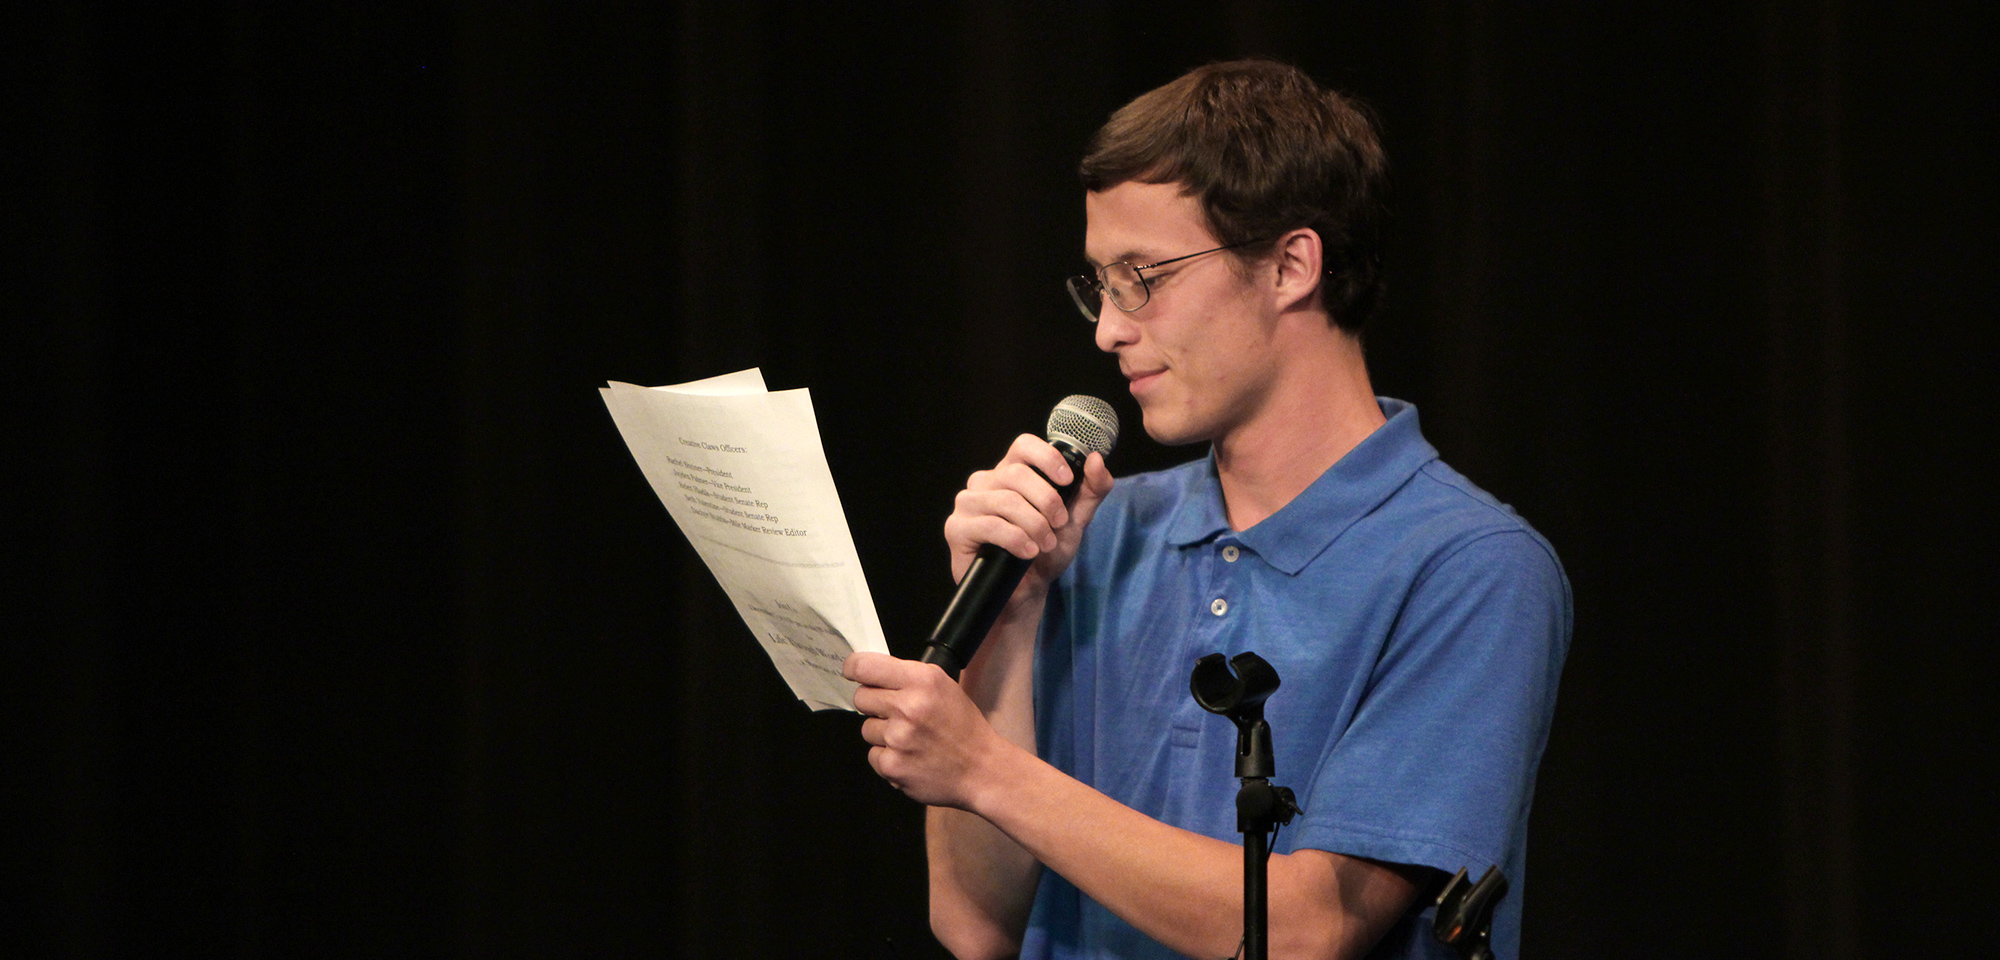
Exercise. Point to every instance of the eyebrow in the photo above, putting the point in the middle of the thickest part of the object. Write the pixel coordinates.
(1133, 257)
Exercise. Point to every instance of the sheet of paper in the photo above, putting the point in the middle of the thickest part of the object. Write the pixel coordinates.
(742, 471)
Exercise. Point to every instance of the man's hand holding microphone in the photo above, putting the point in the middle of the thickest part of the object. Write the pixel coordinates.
(1012, 532)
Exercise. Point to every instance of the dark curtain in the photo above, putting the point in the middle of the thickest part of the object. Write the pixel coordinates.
(341, 623)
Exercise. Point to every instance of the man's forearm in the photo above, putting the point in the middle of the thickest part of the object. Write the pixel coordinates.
(982, 883)
(1181, 888)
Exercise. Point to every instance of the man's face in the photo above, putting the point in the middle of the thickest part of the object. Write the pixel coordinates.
(1200, 356)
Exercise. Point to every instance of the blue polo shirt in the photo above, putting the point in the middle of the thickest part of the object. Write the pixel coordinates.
(1418, 628)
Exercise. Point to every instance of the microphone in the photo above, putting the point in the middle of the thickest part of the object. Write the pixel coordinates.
(1077, 426)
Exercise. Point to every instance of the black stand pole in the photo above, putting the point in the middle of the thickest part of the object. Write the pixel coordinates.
(1260, 807)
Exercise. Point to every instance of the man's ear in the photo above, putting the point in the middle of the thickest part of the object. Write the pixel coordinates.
(1300, 267)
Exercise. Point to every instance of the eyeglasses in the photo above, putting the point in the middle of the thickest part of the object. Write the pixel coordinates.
(1124, 284)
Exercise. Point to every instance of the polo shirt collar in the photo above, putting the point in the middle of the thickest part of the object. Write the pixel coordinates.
(1349, 490)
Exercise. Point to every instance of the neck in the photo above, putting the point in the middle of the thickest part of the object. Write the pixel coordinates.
(1322, 406)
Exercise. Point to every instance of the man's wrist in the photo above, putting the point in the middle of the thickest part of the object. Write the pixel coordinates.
(1003, 766)
(1026, 603)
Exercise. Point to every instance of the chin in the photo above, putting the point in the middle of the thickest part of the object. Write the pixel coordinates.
(1169, 432)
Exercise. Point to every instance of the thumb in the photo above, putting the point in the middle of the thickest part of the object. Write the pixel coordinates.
(1096, 486)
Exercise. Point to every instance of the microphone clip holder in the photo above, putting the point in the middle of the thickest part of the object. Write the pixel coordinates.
(1261, 807)
(1464, 919)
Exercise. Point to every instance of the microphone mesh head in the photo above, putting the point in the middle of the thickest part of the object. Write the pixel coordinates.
(1087, 423)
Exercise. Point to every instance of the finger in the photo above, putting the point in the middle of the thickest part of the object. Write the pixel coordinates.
(847, 665)
(1097, 483)
(1044, 505)
(1036, 490)
(875, 730)
(974, 533)
(877, 756)
(872, 701)
(984, 479)
(1036, 452)
(1013, 505)
(1096, 475)
(872, 669)
(1001, 518)
(1022, 479)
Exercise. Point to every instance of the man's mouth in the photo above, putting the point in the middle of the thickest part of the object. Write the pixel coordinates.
(1138, 380)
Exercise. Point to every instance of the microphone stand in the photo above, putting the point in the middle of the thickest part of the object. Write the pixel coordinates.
(1260, 807)
(1464, 919)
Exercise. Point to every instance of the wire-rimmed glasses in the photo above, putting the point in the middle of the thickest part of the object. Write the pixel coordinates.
(1123, 283)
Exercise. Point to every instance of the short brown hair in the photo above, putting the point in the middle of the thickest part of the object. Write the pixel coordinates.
(1266, 150)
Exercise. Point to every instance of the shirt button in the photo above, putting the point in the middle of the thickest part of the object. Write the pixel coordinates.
(1219, 607)
(1230, 553)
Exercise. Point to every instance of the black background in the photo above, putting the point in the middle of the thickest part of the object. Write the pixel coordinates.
(343, 625)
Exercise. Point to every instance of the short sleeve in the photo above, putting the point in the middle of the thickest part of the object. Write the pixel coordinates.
(1438, 765)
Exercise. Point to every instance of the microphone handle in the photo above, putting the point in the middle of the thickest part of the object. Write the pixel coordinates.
(981, 596)
(987, 585)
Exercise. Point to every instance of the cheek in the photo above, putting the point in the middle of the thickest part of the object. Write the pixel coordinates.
(1224, 353)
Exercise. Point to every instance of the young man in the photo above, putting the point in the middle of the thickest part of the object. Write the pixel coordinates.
(1081, 802)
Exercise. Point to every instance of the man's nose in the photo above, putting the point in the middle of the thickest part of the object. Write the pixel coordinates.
(1114, 328)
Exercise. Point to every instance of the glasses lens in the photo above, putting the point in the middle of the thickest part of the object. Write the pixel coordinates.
(1124, 285)
(1088, 294)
